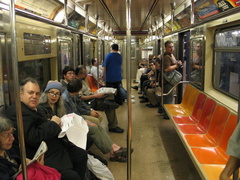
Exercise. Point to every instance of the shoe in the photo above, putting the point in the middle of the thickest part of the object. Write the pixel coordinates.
(148, 105)
(119, 102)
(135, 87)
(110, 104)
(118, 159)
(153, 106)
(141, 97)
(122, 152)
(132, 96)
(160, 110)
(140, 92)
(116, 130)
(165, 116)
(144, 100)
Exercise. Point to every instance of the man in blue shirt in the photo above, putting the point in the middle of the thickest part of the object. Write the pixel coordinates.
(112, 72)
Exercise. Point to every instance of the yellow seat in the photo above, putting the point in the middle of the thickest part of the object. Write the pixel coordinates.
(212, 171)
(187, 105)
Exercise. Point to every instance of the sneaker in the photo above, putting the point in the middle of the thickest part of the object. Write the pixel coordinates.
(132, 96)
(116, 130)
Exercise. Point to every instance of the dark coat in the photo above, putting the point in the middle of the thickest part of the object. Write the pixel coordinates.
(7, 168)
(37, 129)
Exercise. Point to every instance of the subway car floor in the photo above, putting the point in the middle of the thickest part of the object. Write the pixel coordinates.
(158, 152)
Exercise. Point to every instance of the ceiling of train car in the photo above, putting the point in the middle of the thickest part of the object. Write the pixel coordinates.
(144, 13)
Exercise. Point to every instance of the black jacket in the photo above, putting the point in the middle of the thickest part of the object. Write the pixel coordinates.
(7, 168)
(37, 129)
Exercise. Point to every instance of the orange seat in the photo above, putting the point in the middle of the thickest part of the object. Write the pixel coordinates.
(217, 155)
(212, 137)
(91, 83)
(204, 121)
(197, 111)
(187, 105)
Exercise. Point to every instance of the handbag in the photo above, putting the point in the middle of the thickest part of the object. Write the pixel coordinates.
(99, 169)
(37, 171)
(195, 75)
(172, 77)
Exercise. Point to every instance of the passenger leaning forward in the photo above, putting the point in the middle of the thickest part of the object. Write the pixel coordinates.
(67, 158)
(102, 102)
(73, 104)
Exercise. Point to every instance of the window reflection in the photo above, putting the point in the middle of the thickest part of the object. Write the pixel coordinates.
(196, 61)
(38, 69)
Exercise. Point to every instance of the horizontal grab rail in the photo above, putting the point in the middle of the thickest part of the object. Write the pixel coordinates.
(181, 82)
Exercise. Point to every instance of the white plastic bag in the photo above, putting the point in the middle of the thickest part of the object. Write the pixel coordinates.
(99, 169)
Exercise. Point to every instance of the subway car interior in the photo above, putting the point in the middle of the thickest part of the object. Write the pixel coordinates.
(184, 137)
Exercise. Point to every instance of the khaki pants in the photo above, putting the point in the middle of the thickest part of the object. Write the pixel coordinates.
(152, 97)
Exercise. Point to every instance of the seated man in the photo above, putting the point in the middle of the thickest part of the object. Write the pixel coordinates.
(67, 158)
(102, 102)
(148, 83)
(94, 71)
(233, 151)
(68, 75)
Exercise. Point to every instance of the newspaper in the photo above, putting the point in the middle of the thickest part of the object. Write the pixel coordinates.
(75, 128)
(40, 151)
(107, 90)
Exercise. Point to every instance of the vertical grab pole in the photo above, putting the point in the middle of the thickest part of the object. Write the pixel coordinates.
(98, 52)
(65, 13)
(192, 12)
(128, 68)
(172, 14)
(16, 87)
(235, 173)
(162, 82)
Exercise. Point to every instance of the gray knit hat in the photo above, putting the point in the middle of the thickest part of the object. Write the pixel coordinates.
(53, 85)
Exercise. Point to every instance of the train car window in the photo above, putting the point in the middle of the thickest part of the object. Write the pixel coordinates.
(88, 54)
(226, 77)
(38, 69)
(64, 54)
(35, 44)
(197, 62)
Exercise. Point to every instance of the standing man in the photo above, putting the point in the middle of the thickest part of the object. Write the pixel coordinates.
(112, 72)
(170, 64)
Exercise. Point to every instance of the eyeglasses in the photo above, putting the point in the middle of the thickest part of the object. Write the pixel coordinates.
(70, 73)
(8, 135)
(54, 94)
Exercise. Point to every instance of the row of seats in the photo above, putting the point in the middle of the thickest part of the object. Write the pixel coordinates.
(204, 127)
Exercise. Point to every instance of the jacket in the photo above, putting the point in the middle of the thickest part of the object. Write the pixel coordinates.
(37, 129)
(7, 168)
